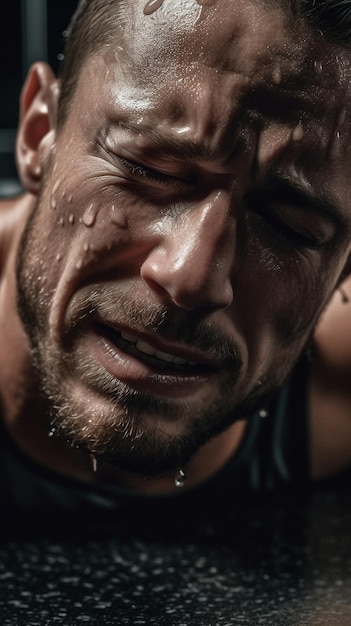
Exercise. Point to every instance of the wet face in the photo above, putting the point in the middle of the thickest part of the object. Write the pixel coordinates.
(192, 222)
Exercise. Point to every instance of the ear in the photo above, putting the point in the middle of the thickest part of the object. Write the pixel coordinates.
(37, 124)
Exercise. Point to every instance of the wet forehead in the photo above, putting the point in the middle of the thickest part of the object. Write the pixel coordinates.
(254, 39)
(204, 67)
(228, 34)
(248, 52)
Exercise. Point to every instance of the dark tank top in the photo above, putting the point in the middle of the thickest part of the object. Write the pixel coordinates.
(272, 456)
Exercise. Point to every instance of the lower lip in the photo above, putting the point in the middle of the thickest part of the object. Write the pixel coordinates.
(144, 377)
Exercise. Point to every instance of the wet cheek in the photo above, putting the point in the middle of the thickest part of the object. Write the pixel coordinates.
(91, 219)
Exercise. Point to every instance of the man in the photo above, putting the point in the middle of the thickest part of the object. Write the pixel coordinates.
(185, 222)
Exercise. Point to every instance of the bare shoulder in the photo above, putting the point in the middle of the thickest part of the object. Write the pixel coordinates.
(330, 388)
(12, 216)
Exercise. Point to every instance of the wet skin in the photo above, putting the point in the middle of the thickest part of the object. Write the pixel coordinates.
(195, 200)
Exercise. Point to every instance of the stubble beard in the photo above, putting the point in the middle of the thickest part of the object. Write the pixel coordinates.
(114, 422)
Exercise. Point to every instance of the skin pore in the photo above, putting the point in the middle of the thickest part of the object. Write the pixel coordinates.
(196, 211)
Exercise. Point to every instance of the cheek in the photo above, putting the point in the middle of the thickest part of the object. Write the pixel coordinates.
(91, 220)
(281, 294)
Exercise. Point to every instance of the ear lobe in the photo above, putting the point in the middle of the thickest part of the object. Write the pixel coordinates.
(37, 124)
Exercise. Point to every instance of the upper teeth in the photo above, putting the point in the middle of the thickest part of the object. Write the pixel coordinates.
(148, 349)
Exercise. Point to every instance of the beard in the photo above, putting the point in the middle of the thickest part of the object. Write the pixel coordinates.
(90, 409)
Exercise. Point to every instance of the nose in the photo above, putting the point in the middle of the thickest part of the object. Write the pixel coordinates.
(193, 260)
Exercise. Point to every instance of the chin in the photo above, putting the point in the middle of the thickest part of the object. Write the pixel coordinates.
(127, 429)
(136, 432)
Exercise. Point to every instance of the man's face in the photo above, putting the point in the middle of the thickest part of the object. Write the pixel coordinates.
(192, 222)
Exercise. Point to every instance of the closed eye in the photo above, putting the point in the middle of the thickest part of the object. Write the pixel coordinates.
(137, 170)
(298, 226)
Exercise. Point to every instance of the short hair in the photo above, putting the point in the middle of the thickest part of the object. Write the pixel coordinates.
(96, 22)
(332, 18)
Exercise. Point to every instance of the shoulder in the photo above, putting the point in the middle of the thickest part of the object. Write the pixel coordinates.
(13, 214)
(330, 388)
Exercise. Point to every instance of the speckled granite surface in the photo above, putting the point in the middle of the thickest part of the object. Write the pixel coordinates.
(287, 562)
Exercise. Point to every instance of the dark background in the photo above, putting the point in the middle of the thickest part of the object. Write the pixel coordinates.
(32, 30)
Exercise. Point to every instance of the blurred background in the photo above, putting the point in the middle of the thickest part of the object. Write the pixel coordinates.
(32, 30)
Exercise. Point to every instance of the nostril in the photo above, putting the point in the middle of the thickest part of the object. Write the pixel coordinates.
(156, 287)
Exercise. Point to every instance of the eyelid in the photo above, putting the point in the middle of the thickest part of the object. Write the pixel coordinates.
(145, 172)
(273, 206)
(142, 170)
(302, 228)
(283, 189)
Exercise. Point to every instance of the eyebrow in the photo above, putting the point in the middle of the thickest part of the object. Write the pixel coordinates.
(175, 145)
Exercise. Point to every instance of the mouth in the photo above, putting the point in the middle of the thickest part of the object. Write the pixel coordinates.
(148, 354)
(150, 363)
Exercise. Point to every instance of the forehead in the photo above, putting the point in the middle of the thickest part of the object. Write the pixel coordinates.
(170, 46)
(209, 66)
(172, 49)
(233, 35)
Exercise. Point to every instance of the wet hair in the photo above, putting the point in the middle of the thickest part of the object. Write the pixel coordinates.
(96, 22)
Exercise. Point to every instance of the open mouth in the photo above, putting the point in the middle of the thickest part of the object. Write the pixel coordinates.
(145, 352)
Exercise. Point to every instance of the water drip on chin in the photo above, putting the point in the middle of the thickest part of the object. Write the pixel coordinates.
(180, 478)
(94, 463)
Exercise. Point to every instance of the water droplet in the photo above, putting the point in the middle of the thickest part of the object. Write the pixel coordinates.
(58, 257)
(86, 247)
(118, 217)
(69, 199)
(90, 215)
(334, 146)
(180, 478)
(79, 264)
(318, 67)
(94, 463)
(61, 221)
(71, 218)
(152, 6)
(297, 133)
(263, 413)
(53, 203)
(52, 432)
